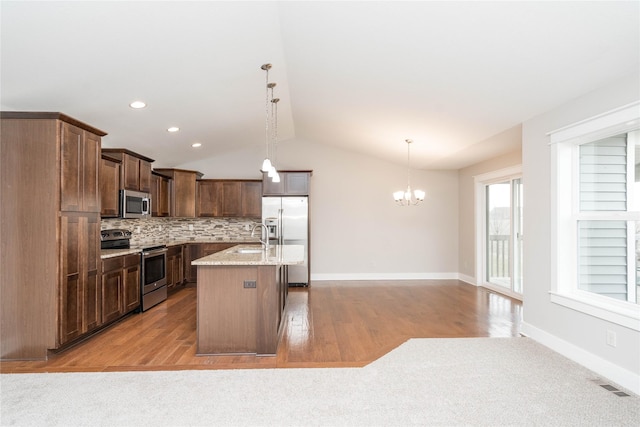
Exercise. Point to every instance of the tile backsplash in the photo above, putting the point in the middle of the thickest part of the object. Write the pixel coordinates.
(158, 230)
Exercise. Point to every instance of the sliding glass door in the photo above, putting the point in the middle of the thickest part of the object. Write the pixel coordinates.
(503, 235)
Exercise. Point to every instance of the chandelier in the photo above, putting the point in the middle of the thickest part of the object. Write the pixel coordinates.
(406, 197)
(270, 128)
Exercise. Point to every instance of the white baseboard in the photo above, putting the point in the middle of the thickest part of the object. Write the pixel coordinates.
(383, 276)
(467, 279)
(620, 376)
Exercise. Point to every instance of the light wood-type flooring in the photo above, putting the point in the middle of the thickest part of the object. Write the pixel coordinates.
(330, 324)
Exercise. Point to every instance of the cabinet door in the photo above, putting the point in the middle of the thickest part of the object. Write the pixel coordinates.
(144, 179)
(70, 293)
(79, 297)
(230, 196)
(111, 295)
(184, 194)
(179, 269)
(192, 252)
(164, 205)
(131, 287)
(296, 183)
(79, 171)
(90, 172)
(71, 168)
(251, 199)
(155, 195)
(109, 188)
(92, 316)
(175, 266)
(160, 196)
(270, 188)
(130, 172)
(170, 268)
(207, 198)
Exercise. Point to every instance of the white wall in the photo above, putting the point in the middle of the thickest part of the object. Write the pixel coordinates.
(577, 335)
(357, 231)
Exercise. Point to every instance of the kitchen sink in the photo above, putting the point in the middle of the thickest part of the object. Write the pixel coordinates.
(249, 251)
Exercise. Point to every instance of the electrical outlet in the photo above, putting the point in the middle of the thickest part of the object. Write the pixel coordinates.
(249, 284)
(190, 227)
(611, 339)
(159, 228)
(138, 229)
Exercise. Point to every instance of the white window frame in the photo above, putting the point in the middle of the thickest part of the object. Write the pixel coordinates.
(564, 144)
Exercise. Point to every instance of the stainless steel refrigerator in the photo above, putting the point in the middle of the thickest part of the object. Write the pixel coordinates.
(287, 220)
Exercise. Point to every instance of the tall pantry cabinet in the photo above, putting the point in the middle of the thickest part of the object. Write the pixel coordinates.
(49, 232)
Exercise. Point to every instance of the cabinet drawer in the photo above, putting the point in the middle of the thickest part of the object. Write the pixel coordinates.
(131, 260)
(110, 264)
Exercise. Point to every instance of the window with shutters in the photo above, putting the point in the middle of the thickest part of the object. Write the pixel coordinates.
(596, 221)
(606, 219)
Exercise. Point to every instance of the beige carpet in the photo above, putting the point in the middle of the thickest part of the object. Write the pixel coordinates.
(446, 382)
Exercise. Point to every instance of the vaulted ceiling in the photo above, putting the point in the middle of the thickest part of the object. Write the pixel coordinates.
(363, 76)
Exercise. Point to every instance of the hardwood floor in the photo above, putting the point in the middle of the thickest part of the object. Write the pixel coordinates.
(330, 324)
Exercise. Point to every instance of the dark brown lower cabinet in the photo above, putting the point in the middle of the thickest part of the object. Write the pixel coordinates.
(111, 295)
(175, 266)
(79, 296)
(120, 286)
(131, 283)
(194, 251)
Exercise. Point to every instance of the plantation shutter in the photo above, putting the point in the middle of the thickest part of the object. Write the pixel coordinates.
(603, 258)
(603, 175)
(603, 244)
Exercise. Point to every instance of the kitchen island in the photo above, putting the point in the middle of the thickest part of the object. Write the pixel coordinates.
(242, 293)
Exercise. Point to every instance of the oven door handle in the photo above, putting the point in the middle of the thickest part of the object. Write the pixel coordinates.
(155, 252)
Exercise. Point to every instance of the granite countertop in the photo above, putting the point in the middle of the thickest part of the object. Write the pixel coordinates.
(110, 253)
(276, 255)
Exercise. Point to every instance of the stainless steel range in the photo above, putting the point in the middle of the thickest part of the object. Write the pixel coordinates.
(153, 266)
(115, 239)
(153, 276)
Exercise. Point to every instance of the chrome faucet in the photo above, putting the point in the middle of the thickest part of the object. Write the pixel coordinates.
(265, 231)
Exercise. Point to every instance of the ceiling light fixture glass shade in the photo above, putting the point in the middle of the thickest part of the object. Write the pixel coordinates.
(407, 197)
(266, 165)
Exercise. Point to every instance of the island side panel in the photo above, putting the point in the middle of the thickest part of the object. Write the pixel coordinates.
(268, 311)
(226, 310)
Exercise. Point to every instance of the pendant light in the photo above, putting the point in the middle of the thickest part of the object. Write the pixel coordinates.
(270, 129)
(266, 163)
(406, 197)
(274, 151)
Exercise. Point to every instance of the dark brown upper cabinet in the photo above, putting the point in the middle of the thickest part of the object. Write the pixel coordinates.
(135, 173)
(229, 198)
(109, 186)
(292, 183)
(160, 195)
(182, 191)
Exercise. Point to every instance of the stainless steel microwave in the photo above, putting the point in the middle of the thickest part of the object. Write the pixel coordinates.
(134, 204)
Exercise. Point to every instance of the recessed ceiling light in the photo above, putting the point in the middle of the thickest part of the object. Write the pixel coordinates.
(196, 145)
(137, 105)
(173, 129)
